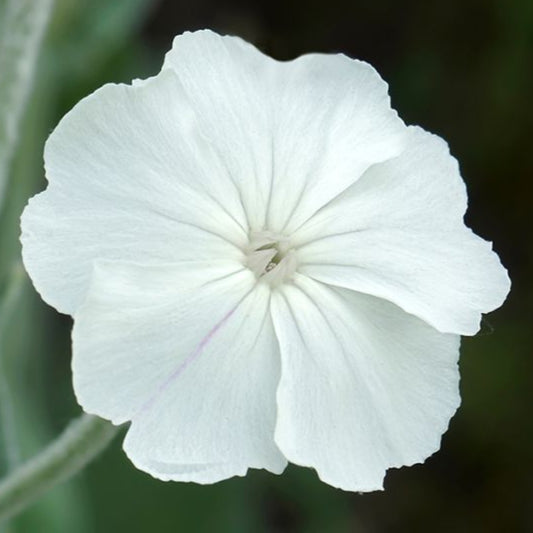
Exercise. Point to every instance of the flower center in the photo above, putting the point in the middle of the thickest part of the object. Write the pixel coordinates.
(270, 257)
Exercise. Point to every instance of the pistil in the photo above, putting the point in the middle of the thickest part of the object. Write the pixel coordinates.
(270, 257)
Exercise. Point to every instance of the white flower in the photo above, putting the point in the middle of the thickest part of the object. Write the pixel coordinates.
(263, 263)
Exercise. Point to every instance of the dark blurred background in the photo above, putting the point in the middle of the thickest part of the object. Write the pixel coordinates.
(462, 69)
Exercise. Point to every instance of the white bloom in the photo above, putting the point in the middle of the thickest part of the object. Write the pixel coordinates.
(264, 264)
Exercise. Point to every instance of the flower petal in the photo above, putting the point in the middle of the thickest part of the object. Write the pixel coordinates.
(364, 386)
(187, 352)
(228, 82)
(398, 234)
(292, 134)
(334, 120)
(130, 179)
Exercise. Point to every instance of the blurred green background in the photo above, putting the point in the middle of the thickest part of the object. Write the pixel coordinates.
(462, 69)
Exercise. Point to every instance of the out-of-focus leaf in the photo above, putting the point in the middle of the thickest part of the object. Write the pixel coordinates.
(87, 33)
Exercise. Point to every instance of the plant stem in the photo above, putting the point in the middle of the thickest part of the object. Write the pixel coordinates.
(22, 25)
(8, 431)
(81, 442)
